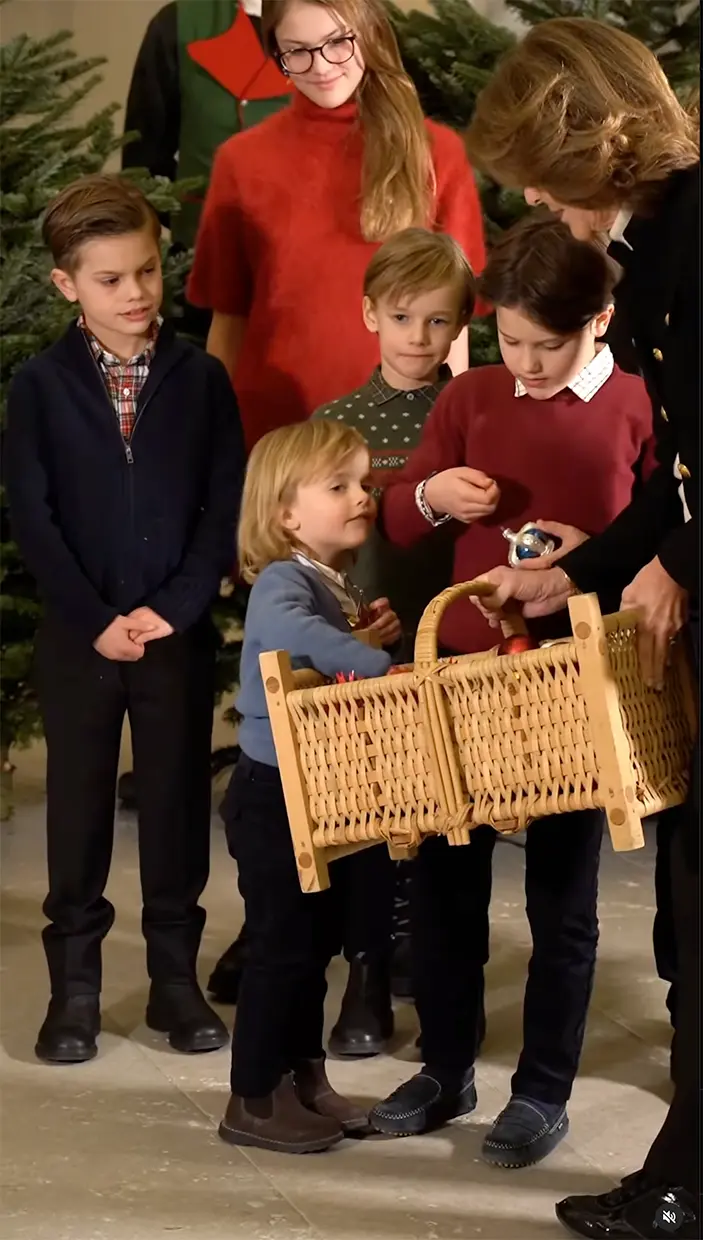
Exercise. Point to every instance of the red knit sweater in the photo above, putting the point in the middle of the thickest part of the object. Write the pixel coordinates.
(562, 459)
(280, 244)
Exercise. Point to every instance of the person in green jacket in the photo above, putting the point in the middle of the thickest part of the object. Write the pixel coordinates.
(201, 75)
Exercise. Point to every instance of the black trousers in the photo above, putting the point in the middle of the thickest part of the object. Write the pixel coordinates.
(169, 698)
(664, 932)
(364, 886)
(291, 937)
(675, 1157)
(450, 928)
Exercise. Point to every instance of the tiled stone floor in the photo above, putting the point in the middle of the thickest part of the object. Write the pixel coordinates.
(125, 1147)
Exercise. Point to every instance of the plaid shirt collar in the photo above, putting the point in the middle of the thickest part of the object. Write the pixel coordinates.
(381, 392)
(104, 358)
(589, 380)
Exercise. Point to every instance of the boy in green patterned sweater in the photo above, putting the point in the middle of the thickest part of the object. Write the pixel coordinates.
(419, 292)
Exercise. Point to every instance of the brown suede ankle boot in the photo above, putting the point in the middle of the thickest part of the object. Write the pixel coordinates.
(316, 1093)
(279, 1122)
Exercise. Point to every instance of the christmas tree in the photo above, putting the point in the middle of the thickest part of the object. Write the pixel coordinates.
(451, 52)
(671, 29)
(41, 150)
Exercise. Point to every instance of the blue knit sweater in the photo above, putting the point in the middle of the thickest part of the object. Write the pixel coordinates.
(290, 608)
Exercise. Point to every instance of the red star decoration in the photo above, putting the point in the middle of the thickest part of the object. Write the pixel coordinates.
(237, 61)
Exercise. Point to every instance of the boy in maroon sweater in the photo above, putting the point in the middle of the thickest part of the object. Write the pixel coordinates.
(558, 432)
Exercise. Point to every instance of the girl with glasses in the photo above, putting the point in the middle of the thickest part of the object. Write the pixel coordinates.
(297, 207)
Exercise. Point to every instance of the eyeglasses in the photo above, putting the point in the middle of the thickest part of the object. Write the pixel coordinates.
(334, 51)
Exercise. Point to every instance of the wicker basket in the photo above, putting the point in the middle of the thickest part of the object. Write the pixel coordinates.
(453, 744)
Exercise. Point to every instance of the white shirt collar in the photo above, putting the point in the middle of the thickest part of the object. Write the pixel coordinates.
(589, 380)
(617, 232)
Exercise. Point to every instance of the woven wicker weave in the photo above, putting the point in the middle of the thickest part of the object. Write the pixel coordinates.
(457, 743)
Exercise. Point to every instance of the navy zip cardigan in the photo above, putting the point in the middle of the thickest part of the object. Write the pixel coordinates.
(106, 526)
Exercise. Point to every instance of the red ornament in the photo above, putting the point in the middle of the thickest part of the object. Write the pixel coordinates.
(517, 644)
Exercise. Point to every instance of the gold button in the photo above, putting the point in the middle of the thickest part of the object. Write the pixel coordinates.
(657, 355)
(685, 472)
(665, 416)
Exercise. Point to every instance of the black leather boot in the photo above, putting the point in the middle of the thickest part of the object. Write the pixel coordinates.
(69, 1032)
(226, 976)
(365, 1023)
(181, 1010)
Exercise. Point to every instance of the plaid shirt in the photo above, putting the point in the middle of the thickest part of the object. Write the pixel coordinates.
(589, 380)
(123, 380)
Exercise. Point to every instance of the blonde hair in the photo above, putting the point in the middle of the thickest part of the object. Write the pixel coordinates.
(282, 461)
(585, 112)
(398, 179)
(417, 261)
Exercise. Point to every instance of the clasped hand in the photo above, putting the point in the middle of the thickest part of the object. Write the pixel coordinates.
(125, 638)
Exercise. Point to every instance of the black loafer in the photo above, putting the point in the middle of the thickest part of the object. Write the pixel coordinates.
(524, 1133)
(426, 1102)
(636, 1210)
(181, 1011)
(70, 1029)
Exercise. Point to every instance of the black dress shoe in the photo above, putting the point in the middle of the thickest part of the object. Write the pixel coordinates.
(225, 979)
(525, 1133)
(636, 1210)
(365, 1023)
(425, 1102)
(181, 1010)
(69, 1032)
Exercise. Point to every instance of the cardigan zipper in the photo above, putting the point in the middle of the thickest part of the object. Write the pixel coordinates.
(126, 443)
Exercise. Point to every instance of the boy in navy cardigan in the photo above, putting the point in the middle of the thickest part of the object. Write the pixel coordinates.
(124, 466)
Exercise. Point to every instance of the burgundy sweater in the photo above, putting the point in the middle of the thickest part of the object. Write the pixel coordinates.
(561, 459)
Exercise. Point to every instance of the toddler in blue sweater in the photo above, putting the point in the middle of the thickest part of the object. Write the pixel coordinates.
(306, 510)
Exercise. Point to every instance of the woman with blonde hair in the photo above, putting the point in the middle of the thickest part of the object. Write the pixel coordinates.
(580, 115)
(298, 205)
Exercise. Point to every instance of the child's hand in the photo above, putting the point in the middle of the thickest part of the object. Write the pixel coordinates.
(117, 642)
(147, 626)
(463, 493)
(385, 624)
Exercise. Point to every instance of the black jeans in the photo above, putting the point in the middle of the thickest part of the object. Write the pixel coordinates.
(291, 937)
(450, 928)
(169, 697)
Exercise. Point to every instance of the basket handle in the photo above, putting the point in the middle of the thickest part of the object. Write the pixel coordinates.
(511, 624)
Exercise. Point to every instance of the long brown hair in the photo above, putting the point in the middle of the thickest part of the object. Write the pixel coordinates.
(398, 181)
(585, 112)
